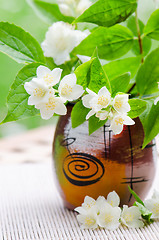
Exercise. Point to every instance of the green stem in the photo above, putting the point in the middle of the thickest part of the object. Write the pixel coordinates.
(140, 45)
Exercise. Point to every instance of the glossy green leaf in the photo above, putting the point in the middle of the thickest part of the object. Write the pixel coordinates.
(83, 74)
(112, 43)
(152, 126)
(98, 77)
(119, 67)
(152, 27)
(146, 42)
(17, 99)
(78, 114)
(148, 75)
(19, 45)
(49, 12)
(136, 196)
(108, 12)
(137, 106)
(120, 83)
(95, 124)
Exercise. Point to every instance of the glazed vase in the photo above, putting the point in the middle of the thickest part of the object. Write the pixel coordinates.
(97, 164)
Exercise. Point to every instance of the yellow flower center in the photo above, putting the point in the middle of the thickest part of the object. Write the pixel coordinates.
(48, 79)
(129, 217)
(103, 101)
(156, 208)
(66, 89)
(118, 104)
(51, 104)
(89, 221)
(89, 205)
(119, 121)
(39, 92)
(108, 218)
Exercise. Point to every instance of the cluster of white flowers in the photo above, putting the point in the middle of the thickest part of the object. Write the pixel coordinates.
(73, 8)
(61, 38)
(103, 106)
(48, 99)
(106, 213)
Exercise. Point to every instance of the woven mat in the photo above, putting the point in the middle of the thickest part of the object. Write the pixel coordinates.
(31, 209)
(30, 206)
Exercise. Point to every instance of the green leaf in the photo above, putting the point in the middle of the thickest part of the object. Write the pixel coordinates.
(78, 114)
(17, 99)
(49, 12)
(19, 45)
(145, 213)
(148, 74)
(136, 196)
(146, 42)
(119, 67)
(152, 27)
(144, 115)
(107, 12)
(98, 77)
(152, 126)
(112, 43)
(83, 74)
(137, 106)
(120, 83)
(95, 124)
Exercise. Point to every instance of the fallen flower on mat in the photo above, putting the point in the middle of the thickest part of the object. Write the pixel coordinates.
(131, 216)
(153, 204)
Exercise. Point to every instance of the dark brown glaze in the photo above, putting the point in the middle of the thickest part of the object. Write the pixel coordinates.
(102, 162)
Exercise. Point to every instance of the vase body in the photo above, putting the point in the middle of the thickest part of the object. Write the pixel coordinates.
(102, 162)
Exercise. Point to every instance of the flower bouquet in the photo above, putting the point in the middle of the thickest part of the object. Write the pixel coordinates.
(81, 72)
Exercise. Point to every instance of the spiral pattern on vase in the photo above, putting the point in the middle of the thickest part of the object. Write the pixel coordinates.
(83, 169)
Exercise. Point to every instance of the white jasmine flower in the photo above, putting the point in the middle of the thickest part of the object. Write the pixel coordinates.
(53, 105)
(73, 8)
(153, 205)
(88, 204)
(96, 102)
(120, 103)
(60, 40)
(118, 121)
(38, 90)
(68, 89)
(113, 199)
(88, 220)
(39, 87)
(51, 78)
(131, 217)
(109, 217)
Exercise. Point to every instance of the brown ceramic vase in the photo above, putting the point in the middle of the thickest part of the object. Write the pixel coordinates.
(102, 162)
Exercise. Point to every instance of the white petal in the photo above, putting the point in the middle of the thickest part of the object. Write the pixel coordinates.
(104, 91)
(42, 71)
(93, 94)
(102, 115)
(45, 114)
(84, 58)
(76, 93)
(81, 210)
(128, 121)
(56, 74)
(86, 100)
(69, 79)
(113, 199)
(90, 114)
(60, 108)
(117, 129)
